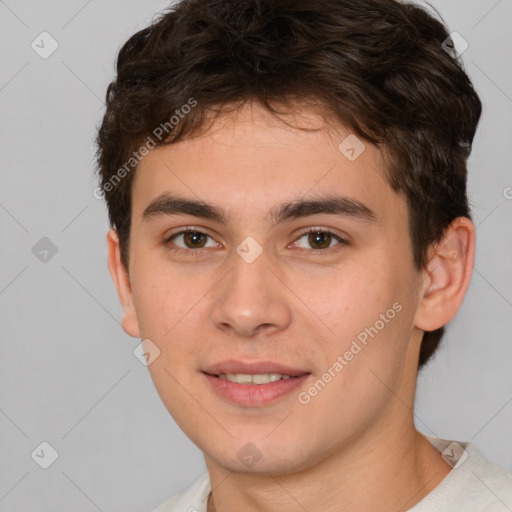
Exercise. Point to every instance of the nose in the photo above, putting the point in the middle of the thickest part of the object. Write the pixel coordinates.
(250, 299)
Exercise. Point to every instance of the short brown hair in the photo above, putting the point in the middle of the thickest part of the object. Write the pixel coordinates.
(376, 66)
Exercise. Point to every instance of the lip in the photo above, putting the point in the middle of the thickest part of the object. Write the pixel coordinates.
(253, 395)
(234, 366)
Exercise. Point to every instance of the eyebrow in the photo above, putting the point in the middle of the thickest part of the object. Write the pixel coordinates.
(167, 204)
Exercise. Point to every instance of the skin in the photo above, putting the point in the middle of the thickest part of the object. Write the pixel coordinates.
(354, 446)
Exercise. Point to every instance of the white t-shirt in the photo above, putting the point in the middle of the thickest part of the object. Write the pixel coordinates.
(473, 485)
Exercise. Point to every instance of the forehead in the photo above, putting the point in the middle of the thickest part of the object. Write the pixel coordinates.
(249, 161)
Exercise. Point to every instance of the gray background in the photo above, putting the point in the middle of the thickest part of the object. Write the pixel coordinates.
(68, 375)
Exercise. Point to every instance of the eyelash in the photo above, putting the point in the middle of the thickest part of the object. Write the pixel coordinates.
(198, 252)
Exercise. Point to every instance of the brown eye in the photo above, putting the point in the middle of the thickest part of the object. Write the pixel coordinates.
(188, 240)
(320, 240)
(194, 239)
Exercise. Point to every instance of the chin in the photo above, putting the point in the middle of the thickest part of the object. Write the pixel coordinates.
(260, 456)
(264, 466)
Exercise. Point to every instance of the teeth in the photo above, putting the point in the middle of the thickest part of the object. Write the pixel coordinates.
(242, 379)
(262, 378)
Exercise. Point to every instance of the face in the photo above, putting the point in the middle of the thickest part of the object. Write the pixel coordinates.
(242, 287)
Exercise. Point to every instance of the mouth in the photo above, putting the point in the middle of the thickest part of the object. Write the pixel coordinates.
(253, 384)
(258, 378)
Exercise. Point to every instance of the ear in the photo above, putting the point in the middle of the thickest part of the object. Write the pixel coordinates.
(446, 276)
(119, 274)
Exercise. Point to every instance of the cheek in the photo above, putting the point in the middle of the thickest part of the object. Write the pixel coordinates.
(345, 301)
(163, 296)
(165, 308)
(362, 315)
(170, 305)
(176, 391)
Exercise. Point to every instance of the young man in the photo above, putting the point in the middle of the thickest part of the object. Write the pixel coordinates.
(286, 183)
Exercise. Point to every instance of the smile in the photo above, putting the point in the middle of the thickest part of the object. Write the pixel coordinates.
(261, 378)
(254, 390)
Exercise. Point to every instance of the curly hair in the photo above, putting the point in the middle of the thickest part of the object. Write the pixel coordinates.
(378, 67)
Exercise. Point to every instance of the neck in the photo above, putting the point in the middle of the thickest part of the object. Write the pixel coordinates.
(388, 472)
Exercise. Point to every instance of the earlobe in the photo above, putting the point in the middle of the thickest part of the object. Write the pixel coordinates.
(122, 283)
(447, 276)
